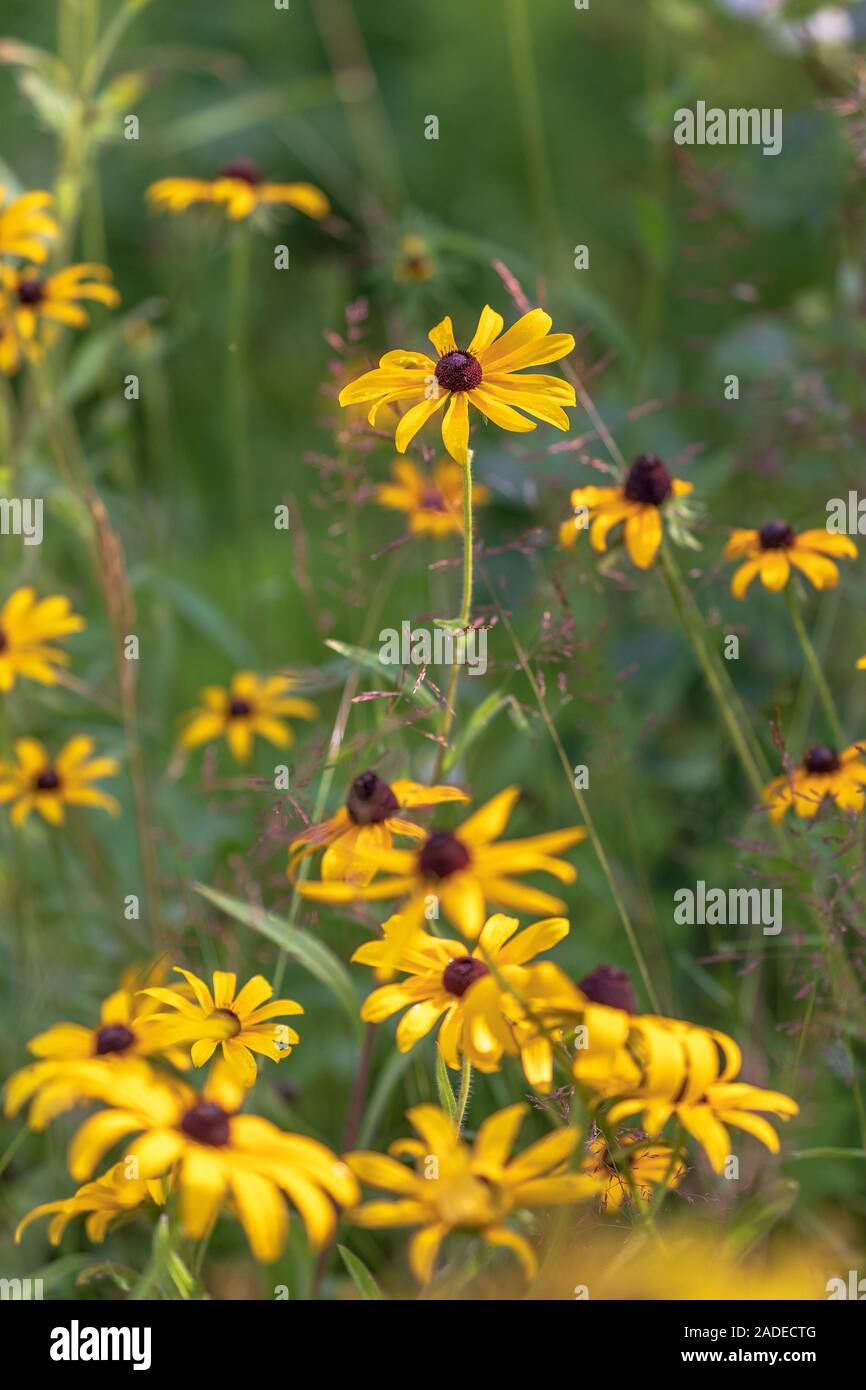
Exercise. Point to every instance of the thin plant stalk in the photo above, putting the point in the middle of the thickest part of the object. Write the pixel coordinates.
(814, 665)
(465, 614)
(463, 1095)
(237, 403)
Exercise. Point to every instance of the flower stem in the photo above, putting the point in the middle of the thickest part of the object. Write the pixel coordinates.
(465, 614)
(236, 384)
(711, 675)
(814, 665)
(463, 1095)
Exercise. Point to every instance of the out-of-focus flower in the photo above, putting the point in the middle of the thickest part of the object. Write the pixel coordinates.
(10, 348)
(482, 1018)
(458, 1187)
(250, 706)
(36, 782)
(104, 1202)
(239, 190)
(483, 375)
(823, 774)
(650, 1164)
(772, 551)
(434, 506)
(26, 225)
(366, 822)
(639, 503)
(414, 263)
(214, 1157)
(27, 627)
(236, 1021)
(74, 1061)
(54, 299)
(663, 1067)
(462, 870)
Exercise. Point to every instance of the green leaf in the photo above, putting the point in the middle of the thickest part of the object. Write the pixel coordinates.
(360, 1275)
(477, 722)
(444, 1089)
(757, 1217)
(394, 675)
(309, 952)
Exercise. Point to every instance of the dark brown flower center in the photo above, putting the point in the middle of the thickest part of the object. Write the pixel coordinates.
(245, 169)
(648, 481)
(433, 501)
(30, 292)
(609, 985)
(370, 800)
(238, 709)
(821, 758)
(461, 972)
(458, 371)
(206, 1123)
(776, 535)
(47, 780)
(4, 641)
(114, 1037)
(443, 854)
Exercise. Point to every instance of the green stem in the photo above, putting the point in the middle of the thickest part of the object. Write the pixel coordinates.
(814, 665)
(729, 718)
(463, 1095)
(236, 385)
(465, 615)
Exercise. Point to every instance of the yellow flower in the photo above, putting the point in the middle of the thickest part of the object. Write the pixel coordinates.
(53, 299)
(10, 348)
(772, 551)
(650, 1164)
(482, 375)
(463, 1188)
(25, 226)
(214, 1156)
(482, 1019)
(27, 627)
(36, 783)
(663, 1067)
(367, 821)
(75, 1061)
(238, 1021)
(639, 503)
(414, 261)
(104, 1202)
(823, 773)
(861, 664)
(250, 706)
(462, 870)
(434, 505)
(238, 191)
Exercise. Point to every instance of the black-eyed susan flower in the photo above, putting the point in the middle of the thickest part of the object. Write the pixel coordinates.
(214, 1157)
(484, 375)
(250, 706)
(648, 493)
(237, 1021)
(650, 1164)
(26, 225)
(824, 774)
(415, 263)
(103, 1203)
(664, 1067)
(74, 1060)
(482, 1019)
(777, 547)
(463, 1188)
(28, 627)
(461, 871)
(54, 299)
(368, 820)
(238, 191)
(37, 782)
(433, 504)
